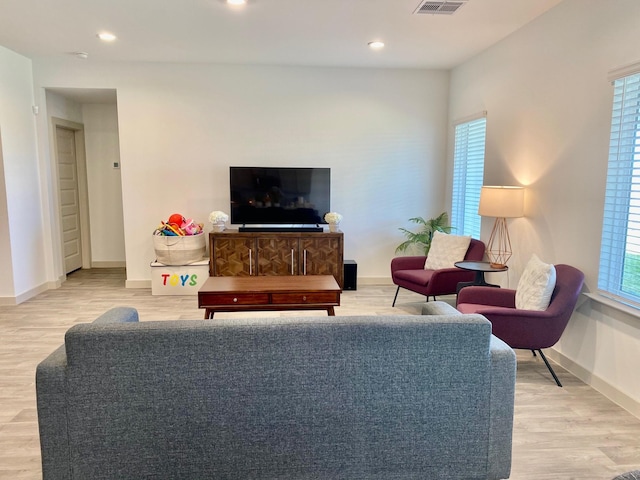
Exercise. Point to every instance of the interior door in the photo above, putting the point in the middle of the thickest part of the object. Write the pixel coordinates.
(69, 199)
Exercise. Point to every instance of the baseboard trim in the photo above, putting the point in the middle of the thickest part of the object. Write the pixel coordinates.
(374, 281)
(29, 294)
(137, 284)
(605, 388)
(8, 301)
(117, 264)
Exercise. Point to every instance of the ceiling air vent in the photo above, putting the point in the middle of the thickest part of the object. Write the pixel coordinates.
(442, 7)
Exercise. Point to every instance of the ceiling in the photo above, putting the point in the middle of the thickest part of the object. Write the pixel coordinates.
(270, 32)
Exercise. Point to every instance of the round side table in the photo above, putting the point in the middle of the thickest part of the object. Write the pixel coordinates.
(480, 268)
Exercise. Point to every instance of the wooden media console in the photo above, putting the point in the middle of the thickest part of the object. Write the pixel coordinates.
(248, 254)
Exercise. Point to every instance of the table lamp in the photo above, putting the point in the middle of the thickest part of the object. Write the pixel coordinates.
(501, 202)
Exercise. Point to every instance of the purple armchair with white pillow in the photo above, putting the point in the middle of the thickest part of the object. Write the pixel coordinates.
(522, 328)
(410, 272)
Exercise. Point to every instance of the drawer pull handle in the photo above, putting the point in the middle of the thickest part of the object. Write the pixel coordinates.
(235, 300)
(304, 298)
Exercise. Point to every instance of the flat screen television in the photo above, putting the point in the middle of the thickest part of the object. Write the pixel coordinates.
(279, 195)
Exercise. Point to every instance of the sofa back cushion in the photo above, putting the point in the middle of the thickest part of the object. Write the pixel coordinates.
(349, 397)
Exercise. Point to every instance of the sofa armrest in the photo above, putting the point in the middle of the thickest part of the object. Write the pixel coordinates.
(446, 280)
(408, 263)
(503, 378)
(496, 297)
(439, 307)
(118, 315)
(51, 396)
(52, 415)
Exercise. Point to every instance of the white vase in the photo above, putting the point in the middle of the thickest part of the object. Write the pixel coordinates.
(218, 227)
(334, 227)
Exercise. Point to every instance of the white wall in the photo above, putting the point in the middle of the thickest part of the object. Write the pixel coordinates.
(6, 281)
(548, 100)
(21, 246)
(383, 133)
(104, 184)
(61, 107)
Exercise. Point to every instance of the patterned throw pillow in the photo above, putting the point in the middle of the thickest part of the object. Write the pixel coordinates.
(536, 285)
(446, 250)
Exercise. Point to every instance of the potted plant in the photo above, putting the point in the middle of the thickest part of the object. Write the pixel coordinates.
(422, 238)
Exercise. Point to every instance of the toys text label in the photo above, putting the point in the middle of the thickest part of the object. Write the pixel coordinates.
(175, 280)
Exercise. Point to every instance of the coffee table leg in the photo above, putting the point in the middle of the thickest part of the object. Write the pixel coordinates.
(331, 312)
(208, 313)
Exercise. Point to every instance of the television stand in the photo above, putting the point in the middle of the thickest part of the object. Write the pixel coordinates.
(244, 228)
(263, 254)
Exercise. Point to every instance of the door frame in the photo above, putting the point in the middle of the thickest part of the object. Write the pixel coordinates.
(83, 187)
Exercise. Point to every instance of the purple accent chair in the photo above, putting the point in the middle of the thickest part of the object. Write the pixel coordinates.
(408, 272)
(526, 329)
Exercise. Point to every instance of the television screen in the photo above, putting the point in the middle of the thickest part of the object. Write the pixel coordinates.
(287, 195)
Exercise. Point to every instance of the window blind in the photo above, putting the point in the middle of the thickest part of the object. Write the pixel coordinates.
(619, 273)
(468, 174)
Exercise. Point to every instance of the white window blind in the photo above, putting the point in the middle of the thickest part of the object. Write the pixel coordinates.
(619, 274)
(468, 173)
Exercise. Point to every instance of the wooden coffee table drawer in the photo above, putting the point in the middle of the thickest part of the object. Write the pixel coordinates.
(263, 293)
(234, 299)
(302, 298)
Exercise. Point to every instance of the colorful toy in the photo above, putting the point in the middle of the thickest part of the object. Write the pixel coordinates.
(177, 225)
(176, 219)
(190, 227)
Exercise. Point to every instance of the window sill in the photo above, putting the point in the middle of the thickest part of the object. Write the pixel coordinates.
(615, 305)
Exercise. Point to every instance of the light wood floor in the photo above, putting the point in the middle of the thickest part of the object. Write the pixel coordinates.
(559, 433)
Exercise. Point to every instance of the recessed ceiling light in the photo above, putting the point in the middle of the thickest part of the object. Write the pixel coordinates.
(236, 2)
(81, 55)
(106, 36)
(377, 45)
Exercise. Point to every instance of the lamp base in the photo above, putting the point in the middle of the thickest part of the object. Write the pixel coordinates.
(499, 246)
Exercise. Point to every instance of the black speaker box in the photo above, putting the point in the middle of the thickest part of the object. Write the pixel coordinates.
(350, 275)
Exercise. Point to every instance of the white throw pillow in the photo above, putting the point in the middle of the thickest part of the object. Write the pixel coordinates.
(536, 285)
(446, 250)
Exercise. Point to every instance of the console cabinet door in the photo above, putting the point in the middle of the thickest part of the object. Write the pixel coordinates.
(322, 255)
(277, 255)
(233, 255)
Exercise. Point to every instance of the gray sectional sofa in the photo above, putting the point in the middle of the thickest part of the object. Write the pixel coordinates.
(371, 397)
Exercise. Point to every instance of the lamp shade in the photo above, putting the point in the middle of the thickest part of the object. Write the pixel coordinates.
(501, 202)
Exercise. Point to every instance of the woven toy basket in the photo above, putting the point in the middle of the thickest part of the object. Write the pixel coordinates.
(179, 250)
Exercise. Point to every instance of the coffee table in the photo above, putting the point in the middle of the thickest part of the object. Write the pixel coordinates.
(256, 293)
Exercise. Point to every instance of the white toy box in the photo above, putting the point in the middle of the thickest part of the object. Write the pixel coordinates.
(178, 279)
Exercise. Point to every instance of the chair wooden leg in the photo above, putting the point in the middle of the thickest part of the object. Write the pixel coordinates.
(394, 298)
(546, 362)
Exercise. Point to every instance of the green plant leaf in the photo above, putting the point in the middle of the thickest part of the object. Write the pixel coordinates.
(423, 237)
